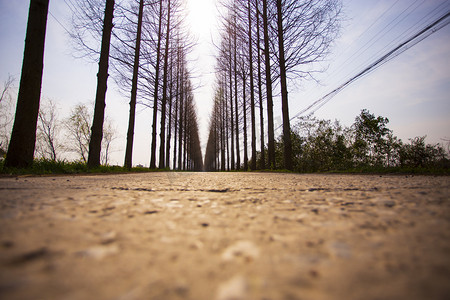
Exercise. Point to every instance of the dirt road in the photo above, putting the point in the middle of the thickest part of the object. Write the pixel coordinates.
(225, 236)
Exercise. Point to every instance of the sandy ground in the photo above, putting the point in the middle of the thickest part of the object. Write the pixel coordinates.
(225, 236)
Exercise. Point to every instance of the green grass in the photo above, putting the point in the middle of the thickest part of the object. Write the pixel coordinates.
(46, 167)
(391, 170)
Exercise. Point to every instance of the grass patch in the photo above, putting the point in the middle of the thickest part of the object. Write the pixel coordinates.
(47, 167)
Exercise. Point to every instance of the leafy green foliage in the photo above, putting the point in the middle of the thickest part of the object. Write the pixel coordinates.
(366, 146)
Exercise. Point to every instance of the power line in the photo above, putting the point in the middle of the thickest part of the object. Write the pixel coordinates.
(411, 29)
(71, 6)
(366, 31)
(381, 33)
(59, 22)
(423, 21)
(340, 72)
(402, 47)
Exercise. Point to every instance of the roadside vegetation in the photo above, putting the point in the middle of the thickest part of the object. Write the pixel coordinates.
(145, 52)
(368, 145)
(47, 167)
(264, 45)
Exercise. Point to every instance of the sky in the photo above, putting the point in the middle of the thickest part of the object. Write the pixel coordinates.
(412, 90)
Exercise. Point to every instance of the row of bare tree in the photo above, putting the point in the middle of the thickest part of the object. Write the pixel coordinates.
(57, 138)
(264, 45)
(146, 48)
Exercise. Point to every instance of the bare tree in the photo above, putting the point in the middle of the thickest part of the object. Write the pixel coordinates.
(306, 30)
(296, 34)
(252, 88)
(284, 94)
(156, 88)
(269, 96)
(134, 87)
(7, 85)
(78, 128)
(48, 131)
(149, 73)
(78, 133)
(260, 93)
(6, 113)
(109, 135)
(95, 143)
(23, 138)
(162, 134)
(236, 107)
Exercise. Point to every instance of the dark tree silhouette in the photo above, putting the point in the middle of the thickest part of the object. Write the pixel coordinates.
(271, 132)
(162, 130)
(305, 32)
(131, 121)
(287, 157)
(252, 87)
(95, 144)
(260, 94)
(23, 138)
(289, 38)
(48, 144)
(156, 88)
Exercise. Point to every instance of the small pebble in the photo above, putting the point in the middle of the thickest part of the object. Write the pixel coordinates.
(389, 203)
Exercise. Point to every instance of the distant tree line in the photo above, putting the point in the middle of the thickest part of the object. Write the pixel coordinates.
(265, 45)
(144, 45)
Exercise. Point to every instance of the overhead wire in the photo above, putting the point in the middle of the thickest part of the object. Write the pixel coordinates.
(402, 47)
(60, 24)
(415, 39)
(432, 15)
(389, 27)
(363, 33)
(363, 49)
(420, 24)
(71, 6)
(410, 42)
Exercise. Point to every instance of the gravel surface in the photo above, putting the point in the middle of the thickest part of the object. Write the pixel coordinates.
(225, 236)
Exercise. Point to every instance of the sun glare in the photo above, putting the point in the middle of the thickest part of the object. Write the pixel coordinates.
(201, 16)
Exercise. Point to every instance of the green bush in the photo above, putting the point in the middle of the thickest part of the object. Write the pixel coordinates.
(366, 146)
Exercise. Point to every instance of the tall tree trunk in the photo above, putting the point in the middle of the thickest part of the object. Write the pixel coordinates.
(287, 155)
(162, 132)
(95, 145)
(155, 96)
(169, 126)
(185, 131)
(23, 138)
(175, 124)
(231, 102)
(180, 122)
(177, 100)
(222, 132)
(238, 151)
(271, 134)
(252, 92)
(216, 143)
(134, 82)
(227, 127)
(261, 110)
(244, 111)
